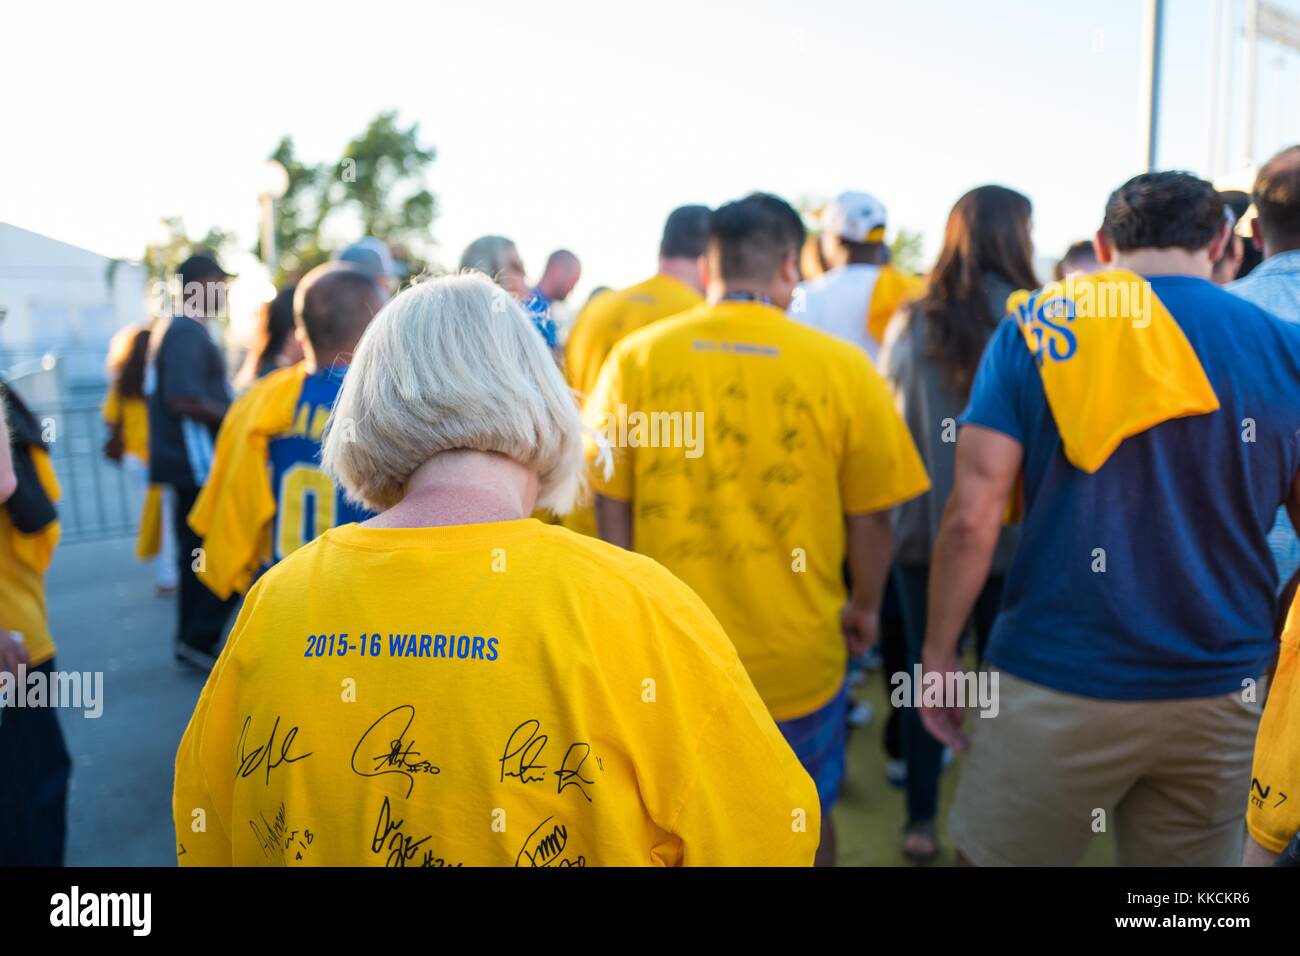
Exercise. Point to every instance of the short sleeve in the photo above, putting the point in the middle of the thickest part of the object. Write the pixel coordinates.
(111, 410)
(183, 363)
(780, 823)
(999, 382)
(881, 466)
(610, 466)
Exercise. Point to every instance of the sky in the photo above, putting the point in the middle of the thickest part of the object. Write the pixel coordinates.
(580, 125)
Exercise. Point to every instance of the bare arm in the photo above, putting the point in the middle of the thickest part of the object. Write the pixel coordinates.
(987, 465)
(1256, 855)
(1293, 504)
(8, 480)
(200, 409)
(870, 548)
(614, 521)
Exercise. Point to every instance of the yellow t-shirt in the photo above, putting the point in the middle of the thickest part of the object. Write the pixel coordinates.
(599, 327)
(783, 430)
(133, 413)
(612, 315)
(506, 694)
(1273, 814)
(22, 597)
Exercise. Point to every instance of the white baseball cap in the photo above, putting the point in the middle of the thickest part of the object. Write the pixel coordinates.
(857, 217)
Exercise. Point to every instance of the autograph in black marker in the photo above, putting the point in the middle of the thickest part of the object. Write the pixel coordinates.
(251, 760)
(388, 751)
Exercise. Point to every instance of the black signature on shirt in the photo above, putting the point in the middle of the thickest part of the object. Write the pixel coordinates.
(525, 748)
(250, 761)
(546, 848)
(402, 847)
(571, 776)
(388, 751)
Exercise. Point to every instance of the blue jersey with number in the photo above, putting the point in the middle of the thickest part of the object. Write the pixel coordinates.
(307, 503)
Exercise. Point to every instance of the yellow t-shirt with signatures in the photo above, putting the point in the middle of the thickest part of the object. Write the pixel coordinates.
(742, 439)
(508, 694)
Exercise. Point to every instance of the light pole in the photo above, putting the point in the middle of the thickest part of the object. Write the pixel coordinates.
(274, 184)
(1154, 22)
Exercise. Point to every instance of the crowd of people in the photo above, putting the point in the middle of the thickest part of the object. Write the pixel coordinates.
(516, 588)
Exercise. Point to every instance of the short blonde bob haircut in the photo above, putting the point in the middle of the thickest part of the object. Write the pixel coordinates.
(453, 363)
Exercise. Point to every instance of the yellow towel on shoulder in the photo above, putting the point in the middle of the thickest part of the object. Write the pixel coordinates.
(1113, 360)
(36, 550)
(893, 290)
(234, 510)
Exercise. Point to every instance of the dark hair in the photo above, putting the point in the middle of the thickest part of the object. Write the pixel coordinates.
(686, 233)
(987, 233)
(1236, 203)
(1163, 210)
(334, 303)
(128, 354)
(274, 326)
(753, 235)
(1277, 199)
(1081, 251)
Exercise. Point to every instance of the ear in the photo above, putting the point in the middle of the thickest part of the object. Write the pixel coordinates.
(1105, 248)
(1219, 244)
(790, 267)
(1257, 235)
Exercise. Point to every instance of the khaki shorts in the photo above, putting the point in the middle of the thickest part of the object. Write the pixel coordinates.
(1171, 777)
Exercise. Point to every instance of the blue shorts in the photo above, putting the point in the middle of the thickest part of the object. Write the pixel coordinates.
(819, 741)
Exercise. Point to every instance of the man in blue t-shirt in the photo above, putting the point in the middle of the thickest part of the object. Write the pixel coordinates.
(1137, 617)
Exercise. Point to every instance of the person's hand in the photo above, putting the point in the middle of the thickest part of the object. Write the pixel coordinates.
(944, 723)
(13, 652)
(861, 628)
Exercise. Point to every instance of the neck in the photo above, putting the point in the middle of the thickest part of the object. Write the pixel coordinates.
(463, 487)
(685, 271)
(1272, 249)
(1164, 262)
(314, 361)
(720, 289)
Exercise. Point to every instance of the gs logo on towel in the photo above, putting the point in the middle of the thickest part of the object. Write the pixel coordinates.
(1045, 323)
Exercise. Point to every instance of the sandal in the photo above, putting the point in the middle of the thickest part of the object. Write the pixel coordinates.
(920, 843)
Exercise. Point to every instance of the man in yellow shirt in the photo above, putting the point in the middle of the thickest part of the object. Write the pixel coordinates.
(676, 287)
(34, 762)
(750, 454)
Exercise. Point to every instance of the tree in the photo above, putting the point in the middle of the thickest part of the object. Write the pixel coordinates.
(298, 215)
(905, 251)
(381, 179)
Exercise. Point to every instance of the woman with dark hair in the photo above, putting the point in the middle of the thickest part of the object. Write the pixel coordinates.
(126, 414)
(276, 346)
(930, 359)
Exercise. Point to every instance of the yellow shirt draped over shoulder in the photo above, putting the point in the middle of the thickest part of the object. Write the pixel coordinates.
(1113, 361)
(507, 694)
(742, 439)
(1273, 814)
(234, 510)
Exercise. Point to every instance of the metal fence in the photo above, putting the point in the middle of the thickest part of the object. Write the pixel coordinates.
(97, 496)
(99, 500)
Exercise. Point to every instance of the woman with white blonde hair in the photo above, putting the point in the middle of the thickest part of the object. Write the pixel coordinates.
(454, 682)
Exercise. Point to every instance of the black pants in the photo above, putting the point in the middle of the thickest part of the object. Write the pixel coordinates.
(202, 615)
(34, 774)
(924, 754)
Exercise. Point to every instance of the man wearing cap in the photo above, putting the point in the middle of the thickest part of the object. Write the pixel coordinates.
(187, 401)
(859, 293)
(373, 257)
